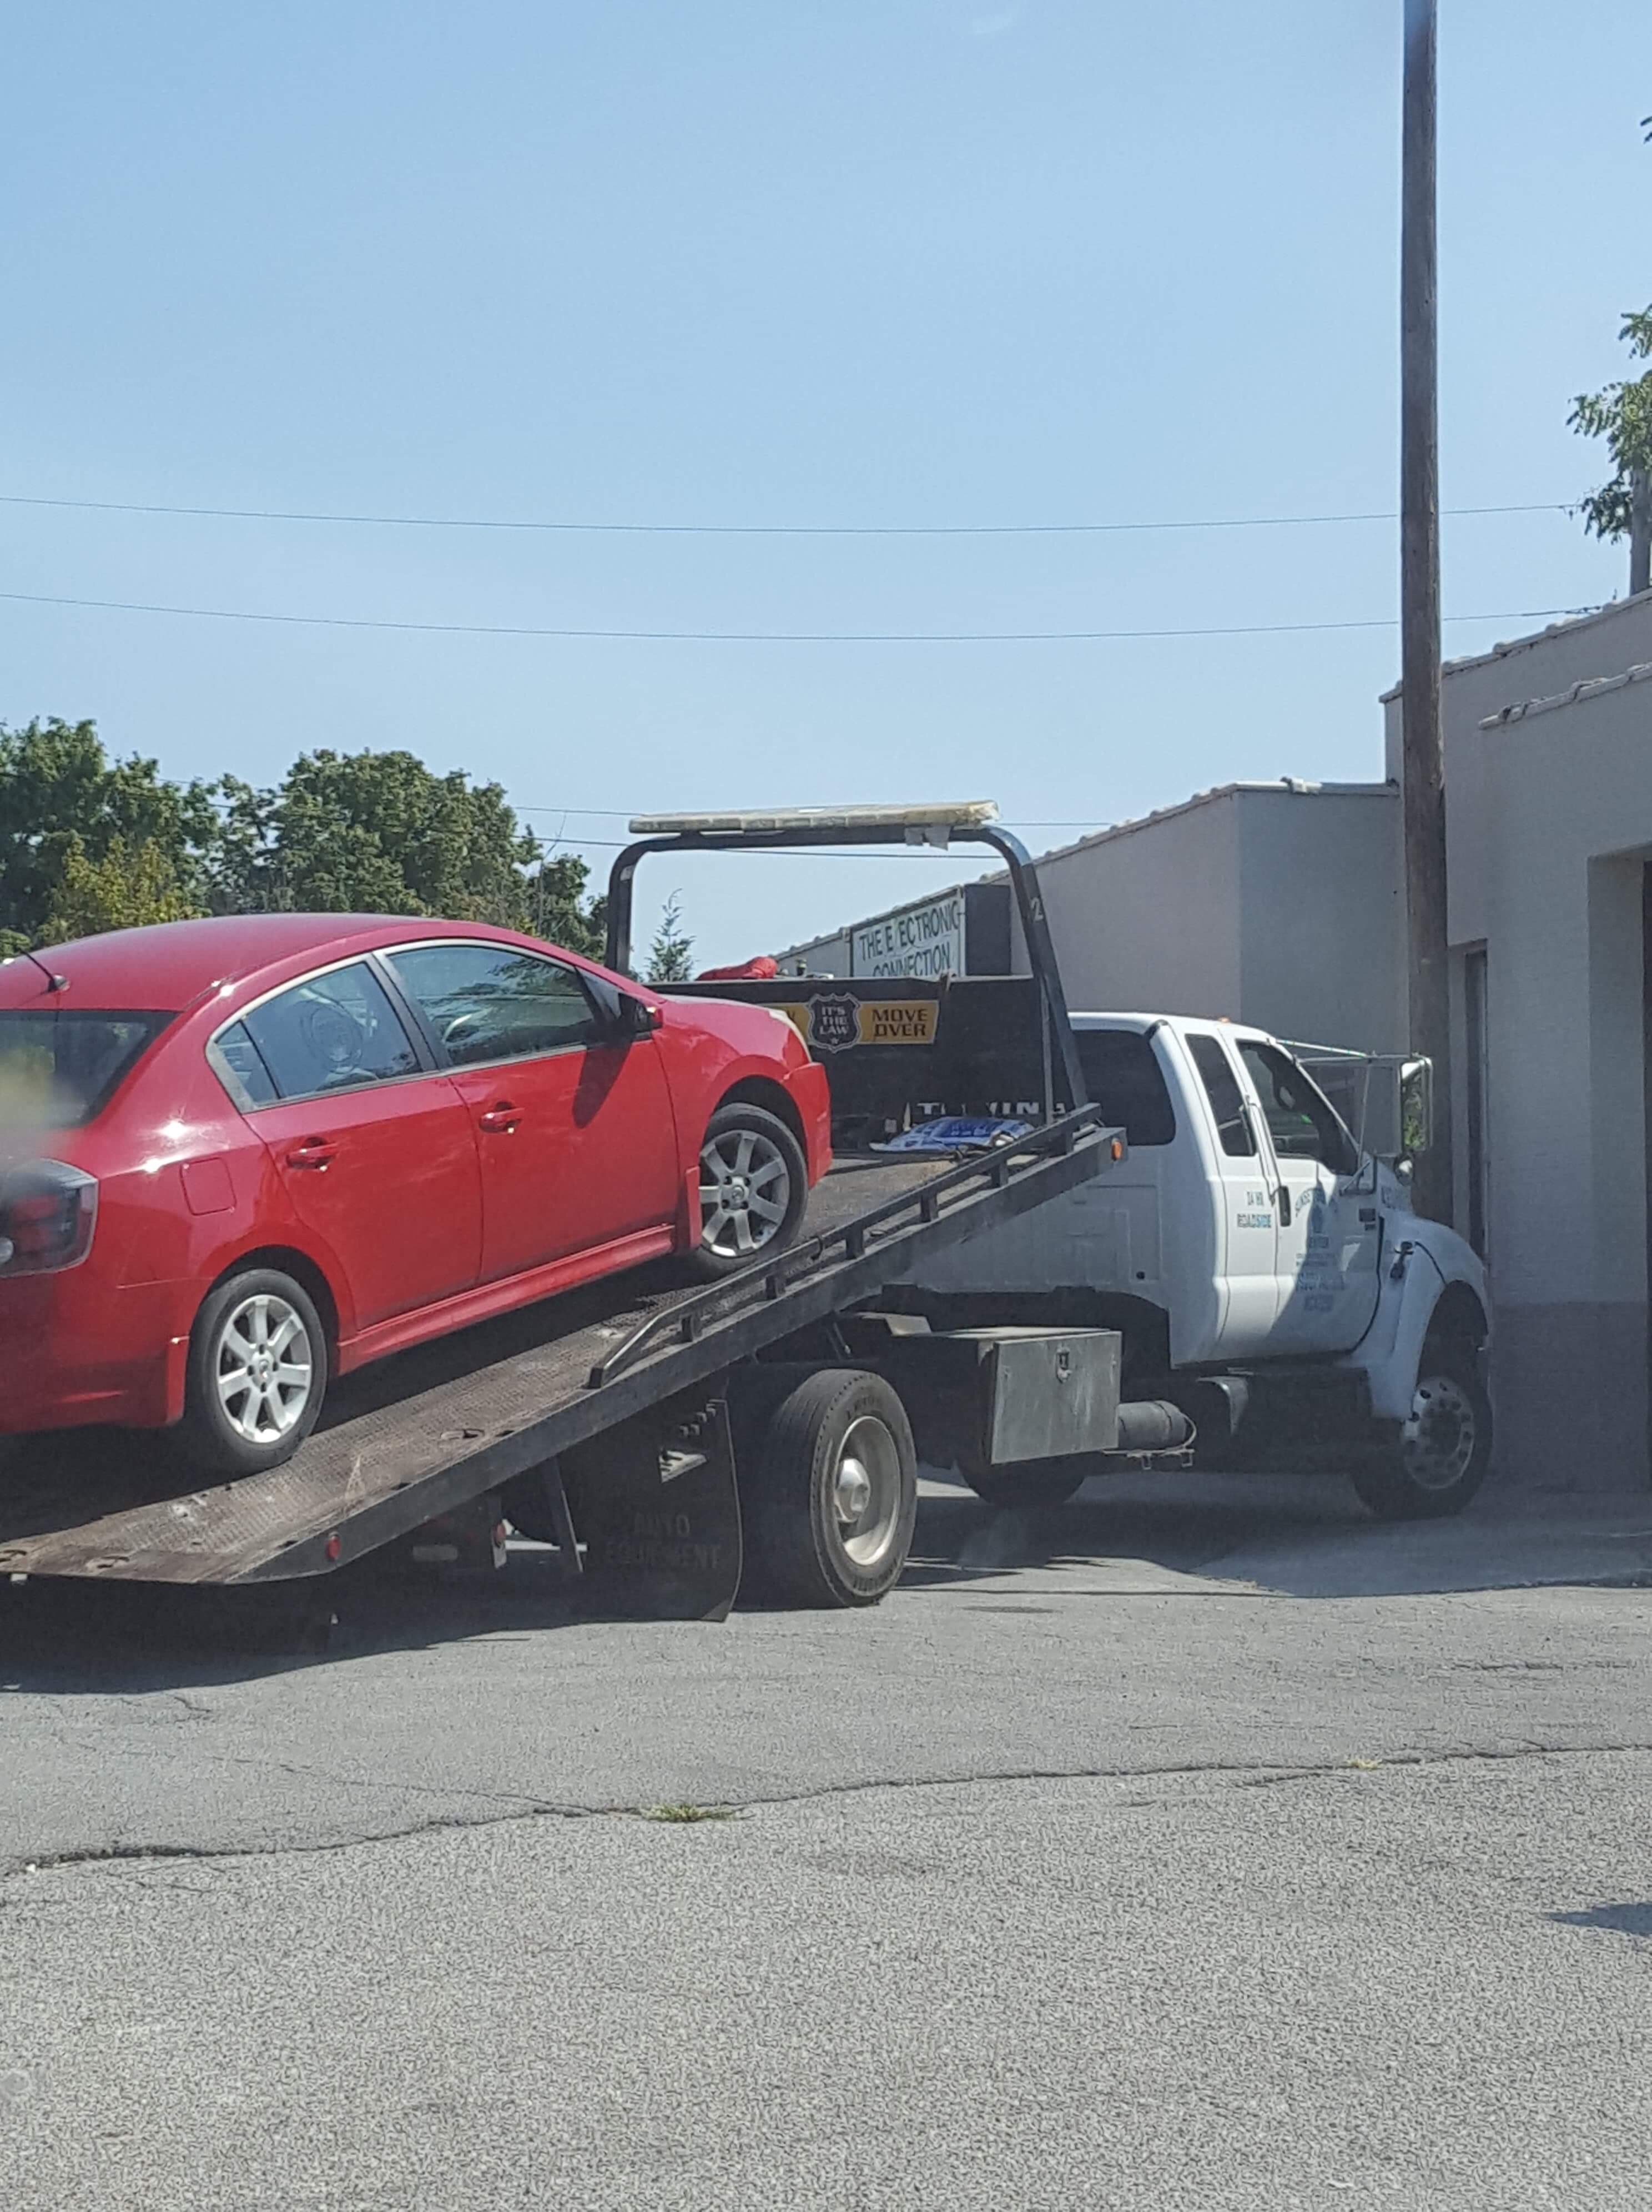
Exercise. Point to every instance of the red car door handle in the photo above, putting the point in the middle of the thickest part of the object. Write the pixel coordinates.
(313, 1152)
(499, 1120)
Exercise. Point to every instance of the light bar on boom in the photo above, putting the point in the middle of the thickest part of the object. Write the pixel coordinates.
(929, 824)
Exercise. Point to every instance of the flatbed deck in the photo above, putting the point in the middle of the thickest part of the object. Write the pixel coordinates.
(425, 1432)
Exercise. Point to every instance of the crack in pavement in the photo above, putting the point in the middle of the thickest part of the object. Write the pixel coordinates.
(1242, 1774)
(521, 1800)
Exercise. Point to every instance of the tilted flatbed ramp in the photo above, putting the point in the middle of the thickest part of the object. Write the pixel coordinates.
(425, 1434)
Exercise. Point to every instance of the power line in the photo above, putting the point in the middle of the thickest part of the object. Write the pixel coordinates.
(756, 528)
(762, 636)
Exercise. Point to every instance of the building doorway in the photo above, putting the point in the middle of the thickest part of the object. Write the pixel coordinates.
(1474, 1091)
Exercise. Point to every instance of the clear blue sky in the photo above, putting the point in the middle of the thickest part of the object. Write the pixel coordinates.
(798, 262)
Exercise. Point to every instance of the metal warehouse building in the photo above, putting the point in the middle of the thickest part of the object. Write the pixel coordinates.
(1549, 848)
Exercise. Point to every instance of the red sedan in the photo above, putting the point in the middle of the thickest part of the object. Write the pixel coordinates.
(240, 1157)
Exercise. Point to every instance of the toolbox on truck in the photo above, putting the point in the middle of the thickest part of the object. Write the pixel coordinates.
(998, 1397)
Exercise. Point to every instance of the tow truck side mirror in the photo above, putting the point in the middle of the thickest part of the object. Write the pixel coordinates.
(1399, 1118)
(1416, 1107)
(1386, 1101)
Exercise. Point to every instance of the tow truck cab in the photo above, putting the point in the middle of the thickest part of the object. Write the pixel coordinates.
(1248, 1233)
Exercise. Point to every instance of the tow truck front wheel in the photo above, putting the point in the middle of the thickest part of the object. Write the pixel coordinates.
(833, 1491)
(1437, 1459)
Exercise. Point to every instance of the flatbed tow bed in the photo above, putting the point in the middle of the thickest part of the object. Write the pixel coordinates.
(623, 1388)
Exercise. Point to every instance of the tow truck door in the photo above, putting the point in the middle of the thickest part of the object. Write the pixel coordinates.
(1241, 1294)
(1327, 1227)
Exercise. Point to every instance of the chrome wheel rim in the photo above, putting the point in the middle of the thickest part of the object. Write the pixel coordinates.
(746, 1193)
(264, 1368)
(1438, 1439)
(866, 1491)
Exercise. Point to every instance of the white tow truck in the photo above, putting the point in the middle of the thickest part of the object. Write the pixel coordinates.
(1263, 1264)
(1269, 1287)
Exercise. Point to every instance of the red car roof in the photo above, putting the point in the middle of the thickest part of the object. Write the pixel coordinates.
(168, 966)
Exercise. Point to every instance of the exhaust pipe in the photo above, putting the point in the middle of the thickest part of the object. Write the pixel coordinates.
(1152, 1425)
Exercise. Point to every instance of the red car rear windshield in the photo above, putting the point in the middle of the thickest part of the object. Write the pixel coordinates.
(58, 1068)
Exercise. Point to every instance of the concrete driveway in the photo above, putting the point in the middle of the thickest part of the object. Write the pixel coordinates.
(1197, 1844)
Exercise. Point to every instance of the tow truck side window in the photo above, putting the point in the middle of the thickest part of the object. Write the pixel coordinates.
(1123, 1076)
(1227, 1101)
(1301, 1120)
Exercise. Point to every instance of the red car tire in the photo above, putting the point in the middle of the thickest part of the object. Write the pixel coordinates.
(258, 1373)
(754, 1189)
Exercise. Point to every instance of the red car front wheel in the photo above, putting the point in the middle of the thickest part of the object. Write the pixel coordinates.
(754, 1186)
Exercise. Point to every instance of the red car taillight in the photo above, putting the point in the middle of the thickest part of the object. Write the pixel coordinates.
(47, 1213)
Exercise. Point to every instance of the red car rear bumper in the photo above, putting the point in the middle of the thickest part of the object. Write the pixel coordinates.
(76, 1351)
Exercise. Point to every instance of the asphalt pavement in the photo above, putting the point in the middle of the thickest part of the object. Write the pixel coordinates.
(1197, 1845)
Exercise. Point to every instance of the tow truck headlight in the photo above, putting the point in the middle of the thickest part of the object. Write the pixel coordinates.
(48, 1211)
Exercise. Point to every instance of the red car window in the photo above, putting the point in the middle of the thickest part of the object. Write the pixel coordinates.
(56, 1068)
(331, 1032)
(486, 1002)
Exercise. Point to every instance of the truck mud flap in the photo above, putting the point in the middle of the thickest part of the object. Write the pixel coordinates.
(654, 1507)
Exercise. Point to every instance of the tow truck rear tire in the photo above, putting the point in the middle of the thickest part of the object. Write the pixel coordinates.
(1434, 1462)
(832, 1493)
(1034, 1485)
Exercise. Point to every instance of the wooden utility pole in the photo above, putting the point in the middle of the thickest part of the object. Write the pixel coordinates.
(1419, 599)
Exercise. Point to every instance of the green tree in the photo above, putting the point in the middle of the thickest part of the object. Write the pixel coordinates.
(381, 833)
(670, 955)
(241, 873)
(59, 792)
(88, 843)
(1621, 413)
(132, 885)
(377, 833)
(561, 912)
